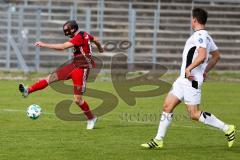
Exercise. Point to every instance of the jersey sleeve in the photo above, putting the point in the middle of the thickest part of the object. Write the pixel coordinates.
(200, 40)
(76, 41)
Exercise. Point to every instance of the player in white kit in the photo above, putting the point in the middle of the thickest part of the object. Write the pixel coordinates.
(187, 88)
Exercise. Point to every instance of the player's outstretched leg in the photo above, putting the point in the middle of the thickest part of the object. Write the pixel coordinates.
(211, 120)
(41, 84)
(85, 108)
(170, 103)
(23, 89)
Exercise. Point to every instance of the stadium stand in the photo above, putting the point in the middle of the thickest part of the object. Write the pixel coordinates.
(174, 29)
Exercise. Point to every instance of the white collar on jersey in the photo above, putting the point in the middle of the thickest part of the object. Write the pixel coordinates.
(199, 29)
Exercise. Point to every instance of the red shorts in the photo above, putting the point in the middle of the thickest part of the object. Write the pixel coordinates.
(78, 75)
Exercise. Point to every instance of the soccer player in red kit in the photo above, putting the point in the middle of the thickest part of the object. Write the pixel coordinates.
(77, 70)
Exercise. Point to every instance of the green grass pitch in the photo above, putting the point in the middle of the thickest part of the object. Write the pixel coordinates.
(118, 134)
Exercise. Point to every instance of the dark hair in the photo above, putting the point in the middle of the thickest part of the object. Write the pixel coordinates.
(200, 14)
(71, 24)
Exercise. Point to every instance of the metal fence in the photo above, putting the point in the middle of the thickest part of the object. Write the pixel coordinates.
(20, 46)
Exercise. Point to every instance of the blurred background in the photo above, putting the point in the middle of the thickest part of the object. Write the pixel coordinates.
(157, 30)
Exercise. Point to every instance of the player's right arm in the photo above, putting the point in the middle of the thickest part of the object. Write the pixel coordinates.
(202, 53)
(61, 46)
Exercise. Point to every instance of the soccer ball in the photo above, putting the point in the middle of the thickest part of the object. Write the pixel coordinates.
(34, 111)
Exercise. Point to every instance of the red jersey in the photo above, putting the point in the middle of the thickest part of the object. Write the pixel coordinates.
(82, 49)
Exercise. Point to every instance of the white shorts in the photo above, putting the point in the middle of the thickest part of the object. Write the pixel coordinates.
(184, 90)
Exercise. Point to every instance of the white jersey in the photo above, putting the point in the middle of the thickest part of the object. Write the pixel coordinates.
(199, 38)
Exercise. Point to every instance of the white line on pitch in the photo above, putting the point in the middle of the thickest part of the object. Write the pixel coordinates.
(19, 110)
(183, 126)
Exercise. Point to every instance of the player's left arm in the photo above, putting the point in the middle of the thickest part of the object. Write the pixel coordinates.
(202, 53)
(61, 46)
(212, 62)
(98, 44)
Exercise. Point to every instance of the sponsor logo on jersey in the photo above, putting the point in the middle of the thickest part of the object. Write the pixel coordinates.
(200, 40)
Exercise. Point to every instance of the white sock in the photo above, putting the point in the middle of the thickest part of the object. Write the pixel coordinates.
(211, 120)
(165, 121)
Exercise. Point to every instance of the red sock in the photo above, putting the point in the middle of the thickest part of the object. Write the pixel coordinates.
(38, 86)
(86, 110)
